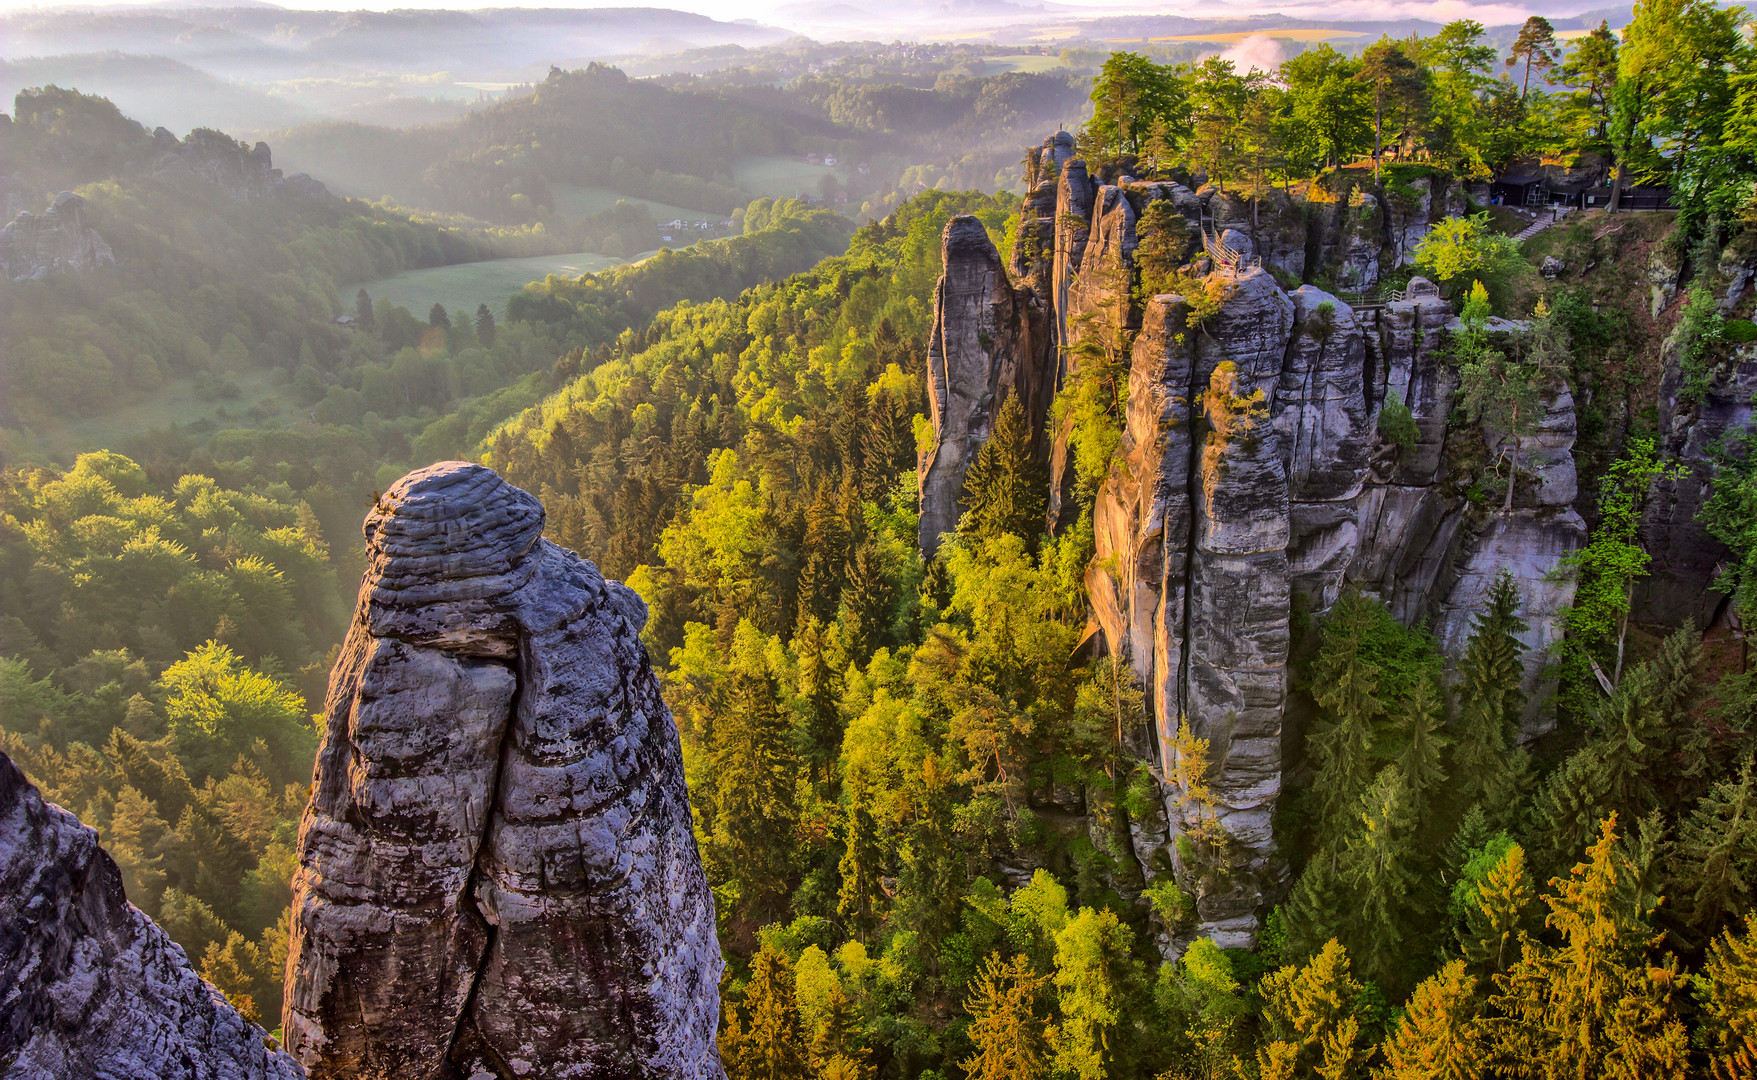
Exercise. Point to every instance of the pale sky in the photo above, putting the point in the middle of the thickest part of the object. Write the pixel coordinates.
(774, 13)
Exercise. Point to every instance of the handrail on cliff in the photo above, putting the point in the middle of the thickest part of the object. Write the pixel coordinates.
(1224, 256)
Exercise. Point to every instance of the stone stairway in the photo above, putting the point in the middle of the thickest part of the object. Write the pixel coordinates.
(1543, 222)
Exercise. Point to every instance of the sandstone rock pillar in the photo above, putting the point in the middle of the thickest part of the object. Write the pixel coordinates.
(497, 872)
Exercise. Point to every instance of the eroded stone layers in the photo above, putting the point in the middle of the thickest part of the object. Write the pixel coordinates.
(497, 873)
(988, 340)
(89, 987)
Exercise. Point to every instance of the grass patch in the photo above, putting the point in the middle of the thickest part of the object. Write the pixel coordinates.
(1029, 63)
(490, 282)
(573, 201)
(780, 177)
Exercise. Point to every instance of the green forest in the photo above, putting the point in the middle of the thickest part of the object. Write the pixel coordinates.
(913, 782)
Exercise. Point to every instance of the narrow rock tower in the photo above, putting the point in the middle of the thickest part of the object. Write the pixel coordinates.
(497, 873)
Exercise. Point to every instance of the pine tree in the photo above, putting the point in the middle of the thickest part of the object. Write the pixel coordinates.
(868, 600)
(133, 839)
(821, 689)
(1379, 866)
(1316, 906)
(1007, 1026)
(825, 556)
(860, 867)
(484, 325)
(1536, 46)
(438, 318)
(1495, 921)
(363, 310)
(1440, 1034)
(1006, 490)
(1489, 700)
(1345, 685)
(1727, 988)
(1420, 760)
(1590, 1005)
(765, 1042)
(755, 811)
(1714, 866)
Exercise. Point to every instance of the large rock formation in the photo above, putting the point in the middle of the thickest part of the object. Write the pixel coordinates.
(1252, 475)
(89, 987)
(243, 173)
(987, 341)
(497, 871)
(56, 241)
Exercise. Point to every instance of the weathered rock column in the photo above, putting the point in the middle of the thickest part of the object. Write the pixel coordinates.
(497, 872)
(981, 349)
(89, 987)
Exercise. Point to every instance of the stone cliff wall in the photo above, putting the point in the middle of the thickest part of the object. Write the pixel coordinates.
(497, 870)
(1252, 474)
(56, 241)
(89, 987)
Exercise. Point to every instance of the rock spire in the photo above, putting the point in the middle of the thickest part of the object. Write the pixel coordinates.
(497, 872)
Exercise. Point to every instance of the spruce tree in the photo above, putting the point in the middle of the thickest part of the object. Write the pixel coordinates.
(755, 810)
(1420, 761)
(484, 325)
(825, 556)
(860, 867)
(868, 600)
(1380, 865)
(1345, 685)
(1489, 701)
(1316, 907)
(1006, 490)
(363, 310)
(1714, 865)
(438, 318)
(821, 689)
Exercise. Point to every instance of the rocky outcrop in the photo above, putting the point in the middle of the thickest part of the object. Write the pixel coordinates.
(497, 872)
(56, 241)
(1279, 448)
(89, 987)
(988, 340)
(243, 173)
(1686, 560)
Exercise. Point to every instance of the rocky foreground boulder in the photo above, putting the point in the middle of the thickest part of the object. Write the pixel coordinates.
(497, 871)
(89, 986)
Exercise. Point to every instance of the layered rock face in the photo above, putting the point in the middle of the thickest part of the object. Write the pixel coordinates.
(56, 241)
(497, 872)
(988, 340)
(1253, 476)
(89, 987)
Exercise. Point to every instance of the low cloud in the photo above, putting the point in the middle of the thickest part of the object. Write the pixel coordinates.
(1257, 52)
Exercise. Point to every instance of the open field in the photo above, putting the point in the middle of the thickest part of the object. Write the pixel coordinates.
(489, 282)
(573, 201)
(176, 402)
(779, 177)
(1029, 63)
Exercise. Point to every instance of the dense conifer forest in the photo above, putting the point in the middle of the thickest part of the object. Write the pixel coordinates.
(914, 781)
